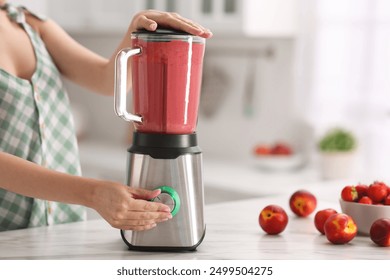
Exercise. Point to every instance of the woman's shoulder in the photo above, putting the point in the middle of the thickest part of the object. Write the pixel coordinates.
(35, 20)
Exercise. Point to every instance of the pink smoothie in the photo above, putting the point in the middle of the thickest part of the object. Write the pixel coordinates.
(166, 88)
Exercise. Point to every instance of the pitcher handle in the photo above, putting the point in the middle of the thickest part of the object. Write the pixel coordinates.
(120, 88)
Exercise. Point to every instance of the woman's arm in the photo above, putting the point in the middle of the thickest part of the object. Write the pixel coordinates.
(89, 69)
(121, 206)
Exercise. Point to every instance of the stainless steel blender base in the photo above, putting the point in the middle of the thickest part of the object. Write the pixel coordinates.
(186, 230)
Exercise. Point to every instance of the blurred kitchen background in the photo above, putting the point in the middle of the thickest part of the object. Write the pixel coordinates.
(274, 71)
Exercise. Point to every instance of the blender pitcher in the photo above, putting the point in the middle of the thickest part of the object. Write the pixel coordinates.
(166, 78)
(166, 75)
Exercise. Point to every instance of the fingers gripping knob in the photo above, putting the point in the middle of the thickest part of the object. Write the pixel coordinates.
(169, 197)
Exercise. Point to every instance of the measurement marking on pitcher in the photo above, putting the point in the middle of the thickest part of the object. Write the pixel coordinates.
(188, 84)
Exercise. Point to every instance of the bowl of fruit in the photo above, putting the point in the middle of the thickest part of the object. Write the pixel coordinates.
(366, 204)
(277, 156)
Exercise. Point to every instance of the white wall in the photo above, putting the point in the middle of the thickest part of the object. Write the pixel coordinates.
(38, 6)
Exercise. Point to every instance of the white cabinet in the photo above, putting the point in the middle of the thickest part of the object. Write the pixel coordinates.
(257, 18)
(270, 18)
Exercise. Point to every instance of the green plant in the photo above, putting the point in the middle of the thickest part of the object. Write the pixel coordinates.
(337, 140)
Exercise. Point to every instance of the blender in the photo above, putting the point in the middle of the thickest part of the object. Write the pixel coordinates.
(166, 77)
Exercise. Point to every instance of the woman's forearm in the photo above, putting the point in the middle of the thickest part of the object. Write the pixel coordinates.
(121, 206)
(29, 179)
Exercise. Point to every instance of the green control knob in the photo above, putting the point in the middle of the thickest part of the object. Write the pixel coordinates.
(169, 197)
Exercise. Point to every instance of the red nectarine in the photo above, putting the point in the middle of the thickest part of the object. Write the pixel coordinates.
(273, 219)
(321, 217)
(340, 228)
(380, 232)
(303, 203)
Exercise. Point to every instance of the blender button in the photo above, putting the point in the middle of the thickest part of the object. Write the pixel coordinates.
(165, 199)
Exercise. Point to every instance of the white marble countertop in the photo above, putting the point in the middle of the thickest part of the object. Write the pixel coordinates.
(232, 226)
(232, 233)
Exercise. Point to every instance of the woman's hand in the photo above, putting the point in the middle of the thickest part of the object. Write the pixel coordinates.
(128, 208)
(121, 206)
(151, 19)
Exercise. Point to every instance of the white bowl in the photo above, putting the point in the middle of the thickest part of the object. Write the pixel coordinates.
(279, 162)
(364, 215)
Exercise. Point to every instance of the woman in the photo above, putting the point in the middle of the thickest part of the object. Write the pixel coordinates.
(40, 182)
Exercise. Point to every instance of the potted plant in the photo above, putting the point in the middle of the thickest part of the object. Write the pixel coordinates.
(337, 154)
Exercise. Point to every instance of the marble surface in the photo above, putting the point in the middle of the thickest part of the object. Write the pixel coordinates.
(232, 233)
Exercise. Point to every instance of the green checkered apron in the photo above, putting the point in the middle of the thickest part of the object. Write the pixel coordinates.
(36, 125)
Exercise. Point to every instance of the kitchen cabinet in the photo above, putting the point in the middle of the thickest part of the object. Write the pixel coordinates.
(253, 18)
(270, 18)
(258, 18)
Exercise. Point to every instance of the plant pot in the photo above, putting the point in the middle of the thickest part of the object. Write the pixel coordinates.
(337, 165)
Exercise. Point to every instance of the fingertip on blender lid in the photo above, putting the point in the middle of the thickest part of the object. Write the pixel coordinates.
(162, 31)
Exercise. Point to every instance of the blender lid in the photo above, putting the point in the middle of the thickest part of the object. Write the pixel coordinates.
(166, 35)
(162, 31)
